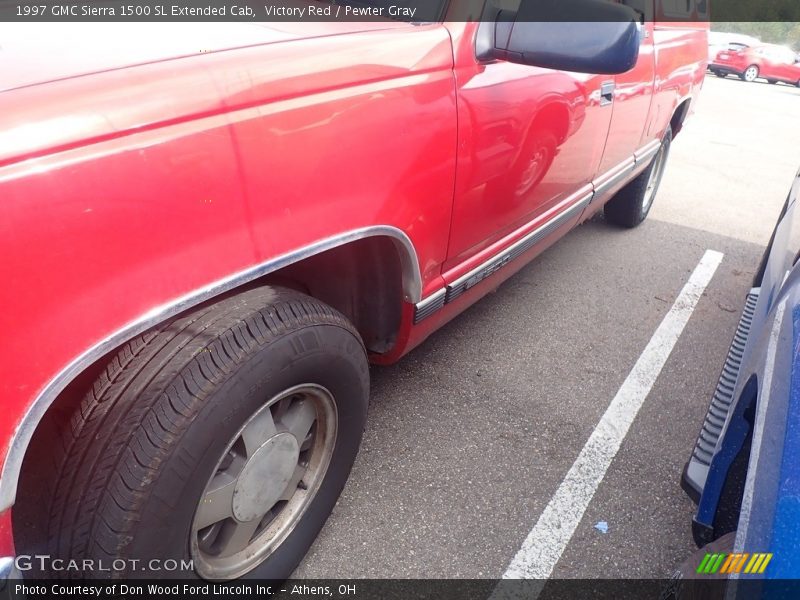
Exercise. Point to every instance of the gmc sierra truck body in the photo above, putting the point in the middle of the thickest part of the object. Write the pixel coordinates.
(207, 231)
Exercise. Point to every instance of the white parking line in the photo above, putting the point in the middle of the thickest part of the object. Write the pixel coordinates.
(547, 540)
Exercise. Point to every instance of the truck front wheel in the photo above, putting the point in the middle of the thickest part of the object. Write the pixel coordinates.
(631, 205)
(220, 441)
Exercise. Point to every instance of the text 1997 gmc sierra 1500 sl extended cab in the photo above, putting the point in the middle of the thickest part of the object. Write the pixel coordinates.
(208, 231)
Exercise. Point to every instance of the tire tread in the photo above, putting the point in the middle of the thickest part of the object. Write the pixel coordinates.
(625, 208)
(128, 421)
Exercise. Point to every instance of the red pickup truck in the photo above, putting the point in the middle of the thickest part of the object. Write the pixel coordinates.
(208, 231)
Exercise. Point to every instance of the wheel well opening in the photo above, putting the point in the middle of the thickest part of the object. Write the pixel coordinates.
(679, 116)
(363, 280)
(40, 465)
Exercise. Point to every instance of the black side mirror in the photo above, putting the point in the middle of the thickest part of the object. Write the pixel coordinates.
(585, 36)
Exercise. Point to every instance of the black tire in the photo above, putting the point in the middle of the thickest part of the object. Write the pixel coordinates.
(150, 434)
(720, 74)
(772, 81)
(631, 205)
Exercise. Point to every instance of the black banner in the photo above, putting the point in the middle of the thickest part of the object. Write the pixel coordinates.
(406, 589)
(371, 10)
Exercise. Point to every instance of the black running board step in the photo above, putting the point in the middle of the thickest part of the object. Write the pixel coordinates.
(694, 474)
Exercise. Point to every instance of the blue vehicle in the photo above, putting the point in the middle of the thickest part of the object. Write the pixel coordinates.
(744, 471)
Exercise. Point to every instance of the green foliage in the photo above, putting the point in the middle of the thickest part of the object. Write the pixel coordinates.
(755, 10)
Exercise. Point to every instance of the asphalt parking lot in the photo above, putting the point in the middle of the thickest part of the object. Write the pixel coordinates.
(470, 436)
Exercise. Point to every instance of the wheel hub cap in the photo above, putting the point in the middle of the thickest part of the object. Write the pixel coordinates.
(264, 481)
(265, 476)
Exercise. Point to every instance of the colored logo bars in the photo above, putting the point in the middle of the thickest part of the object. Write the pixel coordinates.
(734, 563)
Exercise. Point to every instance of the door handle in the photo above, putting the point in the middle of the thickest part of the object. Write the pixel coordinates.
(606, 93)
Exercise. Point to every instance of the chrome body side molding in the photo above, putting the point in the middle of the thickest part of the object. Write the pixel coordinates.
(613, 176)
(429, 306)
(647, 152)
(412, 287)
(581, 199)
(491, 266)
(453, 290)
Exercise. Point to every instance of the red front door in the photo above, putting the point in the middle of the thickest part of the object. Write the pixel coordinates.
(633, 94)
(528, 138)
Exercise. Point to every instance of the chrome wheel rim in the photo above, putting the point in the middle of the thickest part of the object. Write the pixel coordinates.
(654, 179)
(751, 73)
(263, 483)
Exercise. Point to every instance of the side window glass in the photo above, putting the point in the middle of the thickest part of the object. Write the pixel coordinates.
(677, 8)
(684, 9)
